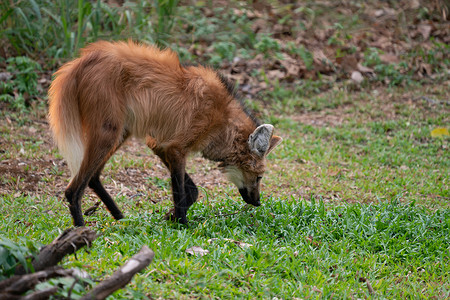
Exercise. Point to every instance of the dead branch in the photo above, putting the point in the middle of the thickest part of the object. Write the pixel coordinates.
(13, 287)
(122, 276)
(44, 264)
(68, 242)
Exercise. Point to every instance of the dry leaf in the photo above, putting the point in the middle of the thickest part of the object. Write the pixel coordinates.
(378, 13)
(5, 76)
(276, 74)
(318, 56)
(334, 173)
(414, 4)
(348, 62)
(357, 77)
(364, 69)
(425, 69)
(310, 239)
(389, 58)
(425, 30)
(198, 251)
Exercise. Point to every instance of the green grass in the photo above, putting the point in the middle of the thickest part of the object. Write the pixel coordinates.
(298, 248)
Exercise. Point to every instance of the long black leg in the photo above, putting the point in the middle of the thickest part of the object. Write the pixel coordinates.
(191, 190)
(189, 186)
(184, 191)
(99, 149)
(73, 194)
(179, 194)
(98, 188)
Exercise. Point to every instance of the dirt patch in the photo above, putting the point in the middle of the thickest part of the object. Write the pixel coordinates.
(320, 119)
(380, 105)
(41, 173)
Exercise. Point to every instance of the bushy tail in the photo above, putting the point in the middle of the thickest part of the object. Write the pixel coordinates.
(64, 117)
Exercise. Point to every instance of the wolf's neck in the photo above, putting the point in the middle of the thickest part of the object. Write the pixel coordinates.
(230, 139)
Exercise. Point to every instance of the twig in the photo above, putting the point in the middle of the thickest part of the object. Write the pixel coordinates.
(122, 276)
(91, 210)
(432, 101)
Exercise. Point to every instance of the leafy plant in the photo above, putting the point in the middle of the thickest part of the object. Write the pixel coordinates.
(12, 254)
(60, 28)
(390, 73)
(166, 12)
(267, 45)
(222, 50)
(25, 74)
(303, 53)
(23, 84)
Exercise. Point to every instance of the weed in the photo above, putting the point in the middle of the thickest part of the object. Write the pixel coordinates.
(12, 254)
(389, 73)
(267, 45)
(223, 51)
(166, 11)
(23, 84)
(302, 52)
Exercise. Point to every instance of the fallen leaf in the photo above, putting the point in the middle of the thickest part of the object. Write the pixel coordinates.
(378, 13)
(334, 173)
(369, 286)
(389, 58)
(5, 76)
(276, 74)
(310, 239)
(364, 69)
(198, 251)
(357, 77)
(439, 132)
(425, 30)
(425, 69)
(414, 4)
(348, 62)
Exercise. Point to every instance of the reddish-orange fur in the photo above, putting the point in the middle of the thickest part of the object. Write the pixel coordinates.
(122, 89)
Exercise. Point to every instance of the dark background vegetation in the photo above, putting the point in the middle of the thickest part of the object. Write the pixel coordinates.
(304, 46)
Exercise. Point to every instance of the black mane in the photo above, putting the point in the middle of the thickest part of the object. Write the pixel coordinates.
(230, 86)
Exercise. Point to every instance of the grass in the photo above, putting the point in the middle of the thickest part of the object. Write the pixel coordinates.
(299, 249)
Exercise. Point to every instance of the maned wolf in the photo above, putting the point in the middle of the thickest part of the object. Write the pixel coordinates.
(122, 89)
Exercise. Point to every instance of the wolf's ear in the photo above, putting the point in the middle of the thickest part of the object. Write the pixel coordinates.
(260, 140)
(274, 141)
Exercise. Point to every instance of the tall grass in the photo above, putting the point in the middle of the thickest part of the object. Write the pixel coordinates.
(58, 29)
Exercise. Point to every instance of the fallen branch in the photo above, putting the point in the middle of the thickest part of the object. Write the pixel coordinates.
(122, 276)
(68, 242)
(13, 287)
(44, 264)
